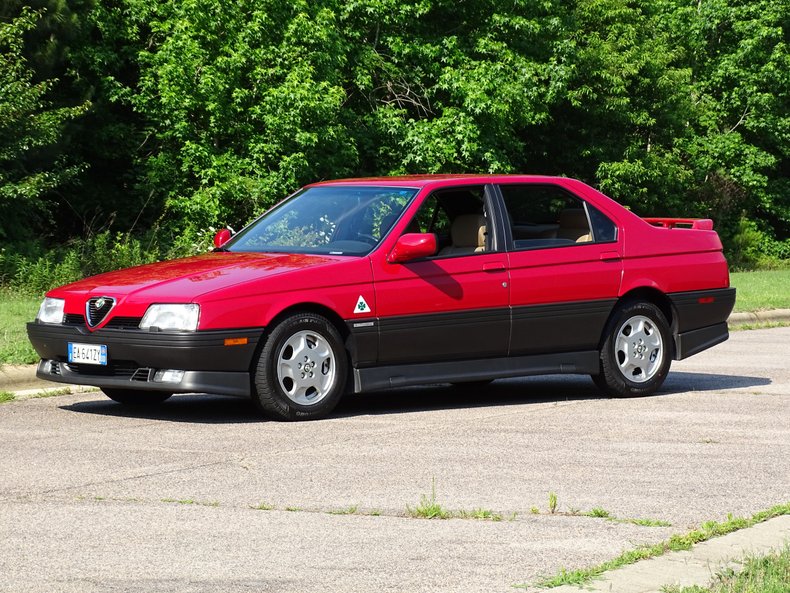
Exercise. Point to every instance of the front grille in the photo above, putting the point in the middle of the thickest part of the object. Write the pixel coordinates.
(97, 309)
(114, 323)
(124, 323)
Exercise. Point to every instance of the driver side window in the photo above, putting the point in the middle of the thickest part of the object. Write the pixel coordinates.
(457, 217)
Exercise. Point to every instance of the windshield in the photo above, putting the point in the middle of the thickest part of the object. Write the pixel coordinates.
(336, 220)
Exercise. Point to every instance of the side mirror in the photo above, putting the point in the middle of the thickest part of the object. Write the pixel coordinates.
(412, 246)
(222, 237)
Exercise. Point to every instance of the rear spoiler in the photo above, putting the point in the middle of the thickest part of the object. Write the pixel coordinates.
(701, 224)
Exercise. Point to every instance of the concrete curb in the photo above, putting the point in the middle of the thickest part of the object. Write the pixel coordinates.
(21, 379)
(752, 317)
(697, 566)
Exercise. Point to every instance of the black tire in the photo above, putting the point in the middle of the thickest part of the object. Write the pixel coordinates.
(136, 397)
(302, 389)
(638, 330)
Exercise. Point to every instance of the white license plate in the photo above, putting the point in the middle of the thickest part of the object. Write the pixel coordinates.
(88, 353)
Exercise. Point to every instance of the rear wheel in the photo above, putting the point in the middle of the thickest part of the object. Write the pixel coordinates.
(302, 369)
(136, 397)
(636, 352)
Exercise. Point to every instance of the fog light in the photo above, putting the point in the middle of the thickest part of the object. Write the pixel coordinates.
(168, 376)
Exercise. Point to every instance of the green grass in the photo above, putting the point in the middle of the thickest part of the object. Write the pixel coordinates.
(766, 574)
(675, 543)
(6, 396)
(15, 311)
(761, 290)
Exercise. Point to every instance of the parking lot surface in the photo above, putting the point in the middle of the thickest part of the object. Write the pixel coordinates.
(200, 494)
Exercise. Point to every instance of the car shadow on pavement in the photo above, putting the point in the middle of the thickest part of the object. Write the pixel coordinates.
(216, 409)
(520, 391)
(683, 381)
(196, 409)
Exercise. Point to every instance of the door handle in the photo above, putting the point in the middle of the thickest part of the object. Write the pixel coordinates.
(610, 256)
(494, 266)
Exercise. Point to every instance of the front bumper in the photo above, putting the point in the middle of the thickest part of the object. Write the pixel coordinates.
(134, 356)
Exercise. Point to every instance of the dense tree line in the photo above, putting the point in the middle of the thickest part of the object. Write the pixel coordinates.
(180, 115)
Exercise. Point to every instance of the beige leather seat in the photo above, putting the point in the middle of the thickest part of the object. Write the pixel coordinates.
(468, 233)
(574, 225)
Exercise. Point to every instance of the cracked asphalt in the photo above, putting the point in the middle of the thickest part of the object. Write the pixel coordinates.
(95, 497)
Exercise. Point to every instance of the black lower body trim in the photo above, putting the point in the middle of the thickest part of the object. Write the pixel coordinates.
(383, 377)
(694, 341)
(219, 382)
(190, 351)
(701, 308)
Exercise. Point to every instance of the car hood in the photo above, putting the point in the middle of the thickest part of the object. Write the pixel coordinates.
(184, 280)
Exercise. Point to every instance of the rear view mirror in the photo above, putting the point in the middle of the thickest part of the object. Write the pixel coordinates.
(222, 237)
(413, 246)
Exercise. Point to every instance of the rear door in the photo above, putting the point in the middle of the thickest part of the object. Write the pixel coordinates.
(565, 265)
(452, 306)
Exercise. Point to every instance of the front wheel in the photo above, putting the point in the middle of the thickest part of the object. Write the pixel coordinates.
(636, 351)
(302, 368)
(136, 397)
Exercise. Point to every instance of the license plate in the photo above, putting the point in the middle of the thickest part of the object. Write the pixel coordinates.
(88, 353)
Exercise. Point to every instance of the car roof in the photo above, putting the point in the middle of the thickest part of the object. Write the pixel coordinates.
(420, 181)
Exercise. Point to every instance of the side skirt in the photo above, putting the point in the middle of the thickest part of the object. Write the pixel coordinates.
(402, 375)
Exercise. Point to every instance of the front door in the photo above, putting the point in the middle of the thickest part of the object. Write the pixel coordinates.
(452, 306)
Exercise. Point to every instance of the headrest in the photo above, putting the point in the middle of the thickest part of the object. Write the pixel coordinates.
(468, 230)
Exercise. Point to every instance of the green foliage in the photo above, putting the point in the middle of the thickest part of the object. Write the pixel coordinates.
(184, 116)
(36, 272)
(31, 166)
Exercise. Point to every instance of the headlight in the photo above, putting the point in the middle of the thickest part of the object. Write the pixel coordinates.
(178, 317)
(51, 311)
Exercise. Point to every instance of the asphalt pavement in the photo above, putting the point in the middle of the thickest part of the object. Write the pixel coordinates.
(97, 497)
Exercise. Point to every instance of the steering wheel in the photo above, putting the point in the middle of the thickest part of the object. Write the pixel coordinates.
(367, 238)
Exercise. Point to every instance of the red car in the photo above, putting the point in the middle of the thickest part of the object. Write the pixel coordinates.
(364, 284)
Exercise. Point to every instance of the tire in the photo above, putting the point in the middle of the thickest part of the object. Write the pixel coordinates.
(136, 397)
(302, 369)
(636, 352)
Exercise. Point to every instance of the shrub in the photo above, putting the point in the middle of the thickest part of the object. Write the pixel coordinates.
(32, 270)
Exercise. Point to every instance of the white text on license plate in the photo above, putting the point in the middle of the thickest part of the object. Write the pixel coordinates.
(88, 353)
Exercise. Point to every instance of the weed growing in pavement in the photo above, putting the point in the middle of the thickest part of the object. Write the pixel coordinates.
(646, 522)
(482, 514)
(677, 542)
(598, 512)
(352, 510)
(552, 502)
(428, 507)
(535, 511)
(6, 396)
(263, 507)
(292, 509)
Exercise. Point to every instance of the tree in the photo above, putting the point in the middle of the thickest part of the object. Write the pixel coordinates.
(31, 164)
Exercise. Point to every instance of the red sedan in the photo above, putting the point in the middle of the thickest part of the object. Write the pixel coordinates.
(364, 284)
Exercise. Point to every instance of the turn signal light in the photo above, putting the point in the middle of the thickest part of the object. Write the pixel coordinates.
(235, 341)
